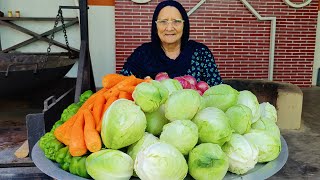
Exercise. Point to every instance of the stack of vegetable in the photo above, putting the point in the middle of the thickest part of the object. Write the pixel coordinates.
(77, 133)
(186, 81)
(56, 150)
(159, 130)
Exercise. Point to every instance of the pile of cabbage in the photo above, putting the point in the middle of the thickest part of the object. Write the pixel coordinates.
(168, 132)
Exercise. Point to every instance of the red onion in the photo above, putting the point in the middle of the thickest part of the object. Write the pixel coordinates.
(162, 76)
(185, 84)
(200, 92)
(193, 87)
(191, 79)
(202, 86)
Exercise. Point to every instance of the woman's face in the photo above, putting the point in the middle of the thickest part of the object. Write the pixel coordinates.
(170, 25)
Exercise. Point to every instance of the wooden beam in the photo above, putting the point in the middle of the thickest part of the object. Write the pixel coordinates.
(101, 2)
(0, 43)
(36, 35)
(34, 39)
(33, 19)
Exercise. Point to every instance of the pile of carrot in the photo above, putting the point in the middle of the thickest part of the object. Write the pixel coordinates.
(82, 131)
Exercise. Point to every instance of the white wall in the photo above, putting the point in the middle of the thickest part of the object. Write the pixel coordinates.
(101, 31)
(31, 8)
(102, 41)
(316, 62)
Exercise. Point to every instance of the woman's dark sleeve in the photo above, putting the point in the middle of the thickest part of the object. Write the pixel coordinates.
(132, 66)
(125, 71)
(210, 70)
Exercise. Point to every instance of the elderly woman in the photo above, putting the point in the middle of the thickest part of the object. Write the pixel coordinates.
(170, 49)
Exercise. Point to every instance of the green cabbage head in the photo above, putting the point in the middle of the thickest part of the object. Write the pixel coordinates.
(123, 124)
(213, 125)
(172, 85)
(147, 140)
(182, 134)
(109, 164)
(268, 111)
(156, 120)
(208, 161)
(248, 99)
(160, 161)
(221, 96)
(268, 125)
(243, 155)
(269, 147)
(182, 104)
(149, 96)
(239, 118)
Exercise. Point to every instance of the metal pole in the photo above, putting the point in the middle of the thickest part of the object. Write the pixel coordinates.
(69, 7)
(83, 6)
(0, 43)
(85, 79)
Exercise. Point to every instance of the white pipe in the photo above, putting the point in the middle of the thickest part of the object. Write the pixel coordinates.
(76, 3)
(316, 61)
(295, 5)
(272, 36)
(196, 7)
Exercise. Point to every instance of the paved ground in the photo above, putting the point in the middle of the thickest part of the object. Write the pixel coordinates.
(303, 144)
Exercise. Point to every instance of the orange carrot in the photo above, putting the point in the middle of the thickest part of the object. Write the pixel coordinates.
(138, 81)
(125, 95)
(97, 108)
(91, 135)
(62, 133)
(129, 81)
(90, 107)
(128, 89)
(106, 106)
(92, 98)
(111, 92)
(146, 79)
(98, 128)
(109, 102)
(77, 145)
(101, 91)
(110, 80)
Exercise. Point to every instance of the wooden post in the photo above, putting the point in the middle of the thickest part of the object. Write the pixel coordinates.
(0, 43)
(101, 2)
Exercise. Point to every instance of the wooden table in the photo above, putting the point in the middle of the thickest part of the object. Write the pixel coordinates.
(9, 22)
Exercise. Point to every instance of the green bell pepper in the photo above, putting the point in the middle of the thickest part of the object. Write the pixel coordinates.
(71, 110)
(57, 124)
(45, 139)
(66, 161)
(52, 148)
(61, 154)
(85, 95)
(63, 157)
(78, 166)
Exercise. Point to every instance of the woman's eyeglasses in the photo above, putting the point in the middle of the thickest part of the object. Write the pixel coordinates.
(174, 22)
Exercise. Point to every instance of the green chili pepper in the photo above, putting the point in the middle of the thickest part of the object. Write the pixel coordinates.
(78, 166)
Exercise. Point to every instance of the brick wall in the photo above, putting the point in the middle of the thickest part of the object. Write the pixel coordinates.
(239, 42)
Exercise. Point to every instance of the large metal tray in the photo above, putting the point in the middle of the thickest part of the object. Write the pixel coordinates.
(260, 171)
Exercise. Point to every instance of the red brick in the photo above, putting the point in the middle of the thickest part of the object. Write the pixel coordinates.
(238, 40)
